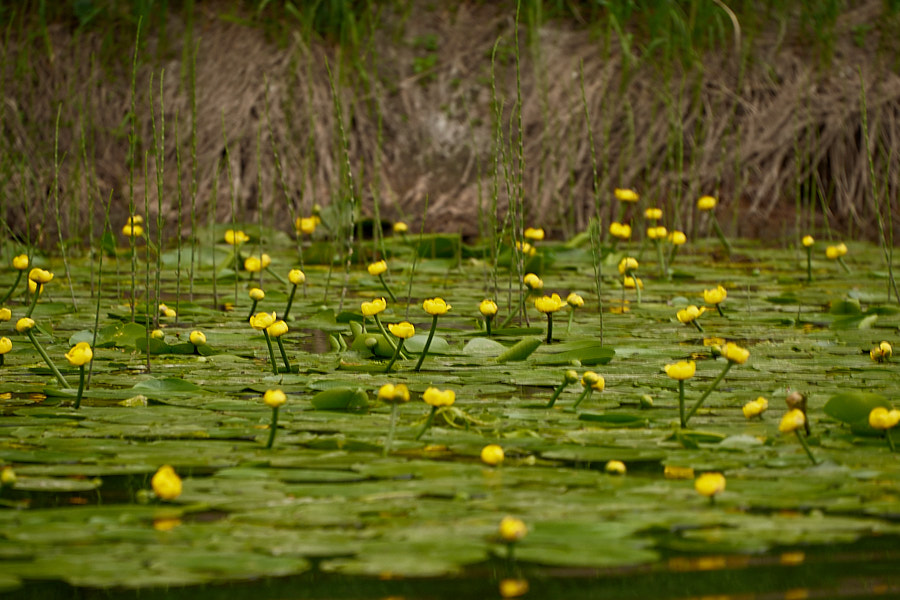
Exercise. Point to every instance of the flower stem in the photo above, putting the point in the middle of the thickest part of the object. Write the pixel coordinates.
(637, 287)
(843, 264)
(13, 288)
(549, 327)
(681, 403)
(427, 422)
(390, 438)
(672, 255)
(37, 346)
(287, 309)
(806, 447)
(697, 325)
(559, 389)
(571, 318)
(809, 264)
(389, 338)
(585, 394)
(427, 342)
(708, 391)
(721, 235)
(276, 276)
(252, 309)
(80, 388)
(719, 308)
(273, 427)
(396, 355)
(659, 257)
(487, 324)
(271, 352)
(890, 440)
(34, 299)
(287, 364)
(386, 288)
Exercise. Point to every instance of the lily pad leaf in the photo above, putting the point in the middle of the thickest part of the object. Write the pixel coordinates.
(854, 407)
(372, 344)
(483, 347)
(349, 399)
(614, 419)
(166, 385)
(416, 343)
(846, 307)
(521, 350)
(591, 353)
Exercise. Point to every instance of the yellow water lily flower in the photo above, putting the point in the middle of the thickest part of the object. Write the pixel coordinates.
(689, 313)
(882, 418)
(132, 230)
(436, 306)
(166, 483)
(792, 421)
(512, 529)
(40, 276)
(657, 233)
(256, 294)
(619, 230)
(20, 262)
(735, 353)
(526, 248)
(5, 314)
(533, 282)
(627, 265)
(488, 308)
(393, 394)
(835, 252)
(626, 195)
(677, 238)
(710, 484)
(296, 276)
(754, 408)
(7, 476)
(593, 380)
(236, 238)
(306, 225)
(513, 588)
(403, 330)
(374, 307)
(400, 228)
(197, 338)
(5, 345)
(882, 352)
(535, 234)
(492, 454)
(158, 334)
(549, 304)
(706, 203)
(653, 214)
(715, 296)
(262, 320)
(683, 369)
(274, 398)
(24, 324)
(253, 264)
(808, 241)
(574, 300)
(166, 311)
(630, 282)
(615, 467)
(277, 329)
(436, 398)
(377, 268)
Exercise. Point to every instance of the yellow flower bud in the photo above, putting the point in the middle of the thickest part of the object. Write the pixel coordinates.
(882, 418)
(132, 230)
(513, 588)
(574, 300)
(5, 345)
(549, 304)
(158, 334)
(166, 483)
(629, 282)
(80, 354)
(710, 484)
(618, 230)
(24, 324)
(754, 408)
(715, 296)
(7, 476)
(374, 307)
(835, 252)
(526, 248)
(135, 220)
(677, 238)
(533, 282)
(265, 259)
(627, 265)
(689, 314)
(626, 195)
(296, 276)
(808, 241)
(792, 420)
(306, 225)
(488, 308)
(236, 238)
(262, 320)
(20, 262)
(492, 454)
(706, 203)
(400, 228)
(437, 398)
(256, 294)
(615, 467)
(436, 306)
(535, 234)
(653, 214)
(40, 276)
(377, 268)
(657, 233)
(166, 311)
(5, 314)
(571, 376)
(735, 353)
(252, 264)
(277, 329)
(683, 369)
(403, 329)
(593, 380)
(274, 398)
(393, 394)
(512, 529)
(198, 338)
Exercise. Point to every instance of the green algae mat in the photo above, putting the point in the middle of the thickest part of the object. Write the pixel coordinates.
(331, 503)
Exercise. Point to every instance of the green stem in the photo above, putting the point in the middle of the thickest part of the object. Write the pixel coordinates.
(663, 270)
(287, 364)
(389, 338)
(637, 286)
(487, 324)
(806, 447)
(386, 288)
(396, 355)
(672, 254)
(287, 309)
(37, 293)
(13, 288)
(697, 325)
(427, 422)
(559, 390)
(549, 327)
(390, 438)
(571, 318)
(681, 403)
(840, 259)
(513, 314)
(719, 308)
(708, 391)
(427, 342)
(271, 352)
(62, 380)
(721, 235)
(275, 274)
(585, 394)
(809, 264)
(890, 440)
(252, 309)
(80, 388)
(273, 427)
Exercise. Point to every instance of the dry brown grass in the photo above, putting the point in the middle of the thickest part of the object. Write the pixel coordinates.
(739, 143)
